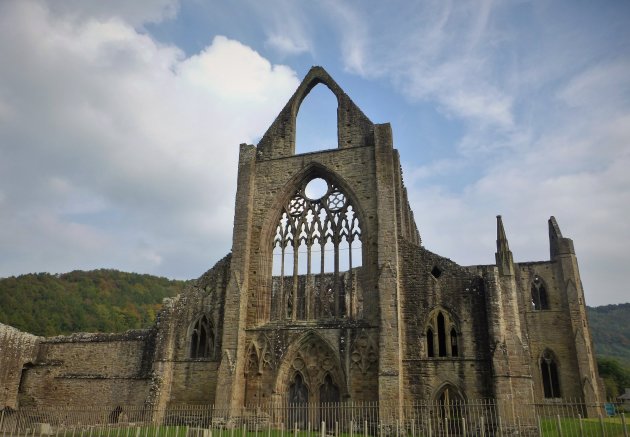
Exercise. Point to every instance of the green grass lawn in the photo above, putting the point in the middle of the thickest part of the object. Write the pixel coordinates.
(589, 427)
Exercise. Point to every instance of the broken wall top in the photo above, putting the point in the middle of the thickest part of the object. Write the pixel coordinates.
(354, 129)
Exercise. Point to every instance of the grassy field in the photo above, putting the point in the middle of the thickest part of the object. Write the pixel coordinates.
(567, 427)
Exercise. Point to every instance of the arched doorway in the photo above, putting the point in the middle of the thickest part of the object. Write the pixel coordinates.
(298, 402)
(328, 403)
(449, 409)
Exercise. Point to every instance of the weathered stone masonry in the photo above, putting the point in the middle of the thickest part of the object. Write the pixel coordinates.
(330, 297)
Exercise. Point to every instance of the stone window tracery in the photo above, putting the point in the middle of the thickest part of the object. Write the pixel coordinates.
(441, 332)
(317, 240)
(202, 339)
(539, 295)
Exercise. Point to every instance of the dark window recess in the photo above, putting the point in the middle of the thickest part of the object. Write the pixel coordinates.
(549, 371)
(539, 295)
(202, 339)
(436, 272)
(430, 352)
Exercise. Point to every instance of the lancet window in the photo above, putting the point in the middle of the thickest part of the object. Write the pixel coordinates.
(442, 339)
(316, 247)
(539, 295)
(202, 339)
(549, 372)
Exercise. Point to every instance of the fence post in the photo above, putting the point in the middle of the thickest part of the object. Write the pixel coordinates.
(365, 433)
(464, 426)
(581, 425)
(559, 425)
(601, 425)
(483, 426)
(323, 429)
(623, 423)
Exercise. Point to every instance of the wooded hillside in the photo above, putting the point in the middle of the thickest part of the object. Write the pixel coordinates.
(113, 301)
(94, 301)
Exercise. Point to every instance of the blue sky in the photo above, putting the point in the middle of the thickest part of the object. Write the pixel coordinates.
(120, 121)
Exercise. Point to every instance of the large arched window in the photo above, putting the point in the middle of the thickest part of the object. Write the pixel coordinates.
(315, 249)
(441, 331)
(539, 295)
(202, 339)
(549, 373)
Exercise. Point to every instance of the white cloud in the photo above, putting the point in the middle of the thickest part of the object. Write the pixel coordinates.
(119, 148)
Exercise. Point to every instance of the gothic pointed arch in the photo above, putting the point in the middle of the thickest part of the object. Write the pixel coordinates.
(315, 359)
(314, 243)
(539, 294)
(202, 339)
(442, 335)
(448, 392)
(353, 127)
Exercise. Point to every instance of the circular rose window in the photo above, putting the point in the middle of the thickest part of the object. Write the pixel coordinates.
(316, 189)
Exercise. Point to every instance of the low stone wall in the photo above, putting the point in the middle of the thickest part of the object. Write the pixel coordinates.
(90, 370)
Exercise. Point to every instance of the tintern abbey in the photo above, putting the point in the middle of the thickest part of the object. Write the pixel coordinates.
(328, 295)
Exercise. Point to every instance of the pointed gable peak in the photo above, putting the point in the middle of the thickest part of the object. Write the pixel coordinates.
(354, 129)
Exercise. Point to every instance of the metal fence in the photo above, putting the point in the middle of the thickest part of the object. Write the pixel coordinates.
(474, 418)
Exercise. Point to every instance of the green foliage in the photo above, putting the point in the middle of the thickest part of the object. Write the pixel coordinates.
(616, 376)
(610, 328)
(94, 301)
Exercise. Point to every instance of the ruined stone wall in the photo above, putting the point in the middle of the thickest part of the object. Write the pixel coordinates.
(549, 328)
(432, 283)
(17, 349)
(90, 370)
(183, 379)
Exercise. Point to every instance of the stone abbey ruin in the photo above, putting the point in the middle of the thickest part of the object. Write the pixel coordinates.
(329, 296)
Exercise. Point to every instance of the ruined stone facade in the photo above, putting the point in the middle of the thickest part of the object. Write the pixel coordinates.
(330, 296)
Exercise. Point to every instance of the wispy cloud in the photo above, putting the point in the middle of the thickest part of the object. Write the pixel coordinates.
(544, 110)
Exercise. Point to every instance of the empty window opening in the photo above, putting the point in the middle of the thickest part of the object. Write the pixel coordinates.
(316, 189)
(316, 248)
(316, 122)
(430, 352)
(549, 371)
(441, 335)
(436, 272)
(539, 295)
(202, 339)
